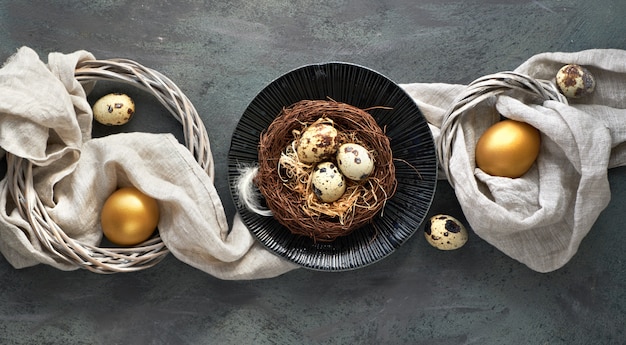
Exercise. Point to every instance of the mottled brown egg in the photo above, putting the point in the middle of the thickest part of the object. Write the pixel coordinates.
(318, 141)
(445, 232)
(114, 109)
(575, 81)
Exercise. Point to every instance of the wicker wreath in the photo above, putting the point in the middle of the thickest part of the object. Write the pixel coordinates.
(49, 234)
(291, 208)
(481, 90)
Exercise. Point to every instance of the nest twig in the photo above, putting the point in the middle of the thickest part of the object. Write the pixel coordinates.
(285, 183)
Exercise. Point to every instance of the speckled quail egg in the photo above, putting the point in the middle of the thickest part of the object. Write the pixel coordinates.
(445, 232)
(328, 182)
(318, 141)
(354, 161)
(114, 109)
(575, 81)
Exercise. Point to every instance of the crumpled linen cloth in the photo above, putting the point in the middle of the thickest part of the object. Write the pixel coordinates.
(45, 118)
(540, 218)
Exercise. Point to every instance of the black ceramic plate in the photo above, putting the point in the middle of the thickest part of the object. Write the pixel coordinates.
(413, 150)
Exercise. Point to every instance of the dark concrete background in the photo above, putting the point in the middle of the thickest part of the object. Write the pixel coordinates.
(221, 54)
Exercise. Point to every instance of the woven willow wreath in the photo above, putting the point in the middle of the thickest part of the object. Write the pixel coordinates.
(481, 90)
(50, 236)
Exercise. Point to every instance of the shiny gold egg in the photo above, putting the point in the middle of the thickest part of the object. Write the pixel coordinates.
(129, 217)
(508, 148)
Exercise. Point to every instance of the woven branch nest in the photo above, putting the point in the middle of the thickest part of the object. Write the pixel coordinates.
(299, 211)
(50, 235)
(483, 89)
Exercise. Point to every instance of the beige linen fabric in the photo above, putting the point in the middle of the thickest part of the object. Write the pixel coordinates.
(45, 118)
(541, 218)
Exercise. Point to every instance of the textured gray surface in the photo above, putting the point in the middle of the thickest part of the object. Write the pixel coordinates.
(223, 53)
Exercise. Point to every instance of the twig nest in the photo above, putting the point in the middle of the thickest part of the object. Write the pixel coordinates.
(445, 232)
(114, 109)
(310, 193)
(575, 81)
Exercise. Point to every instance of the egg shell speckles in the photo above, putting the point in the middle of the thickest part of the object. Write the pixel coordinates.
(114, 109)
(445, 232)
(317, 142)
(575, 81)
(354, 161)
(328, 183)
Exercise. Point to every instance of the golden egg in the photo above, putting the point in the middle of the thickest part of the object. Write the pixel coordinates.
(129, 217)
(508, 148)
